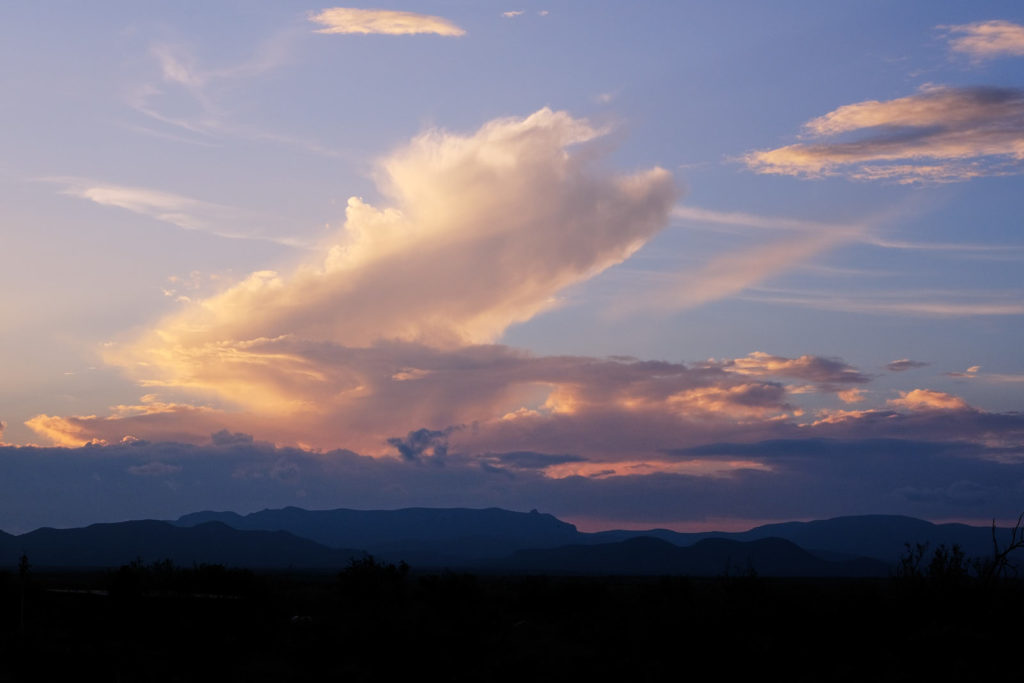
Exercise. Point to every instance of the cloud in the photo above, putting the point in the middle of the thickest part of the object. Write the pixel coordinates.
(508, 399)
(511, 14)
(939, 304)
(154, 469)
(864, 232)
(380, 21)
(974, 373)
(802, 476)
(226, 438)
(422, 444)
(183, 212)
(987, 39)
(155, 421)
(940, 134)
(926, 399)
(826, 372)
(530, 460)
(733, 272)
(197, 99)
(851, 395)
(905, 364)
(482, 231)
(730, 273)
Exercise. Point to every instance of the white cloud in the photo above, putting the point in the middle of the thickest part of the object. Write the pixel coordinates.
(987, 39)
(380, 21)
(511, 14)
(941, 134)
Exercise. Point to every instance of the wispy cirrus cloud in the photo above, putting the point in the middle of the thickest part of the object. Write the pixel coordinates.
(940, 134)
(192, 97)
(974, 373)
(941, 304)
(381, 21)
(184, 212)
(729, 274)
(867, 231)
(987, 39)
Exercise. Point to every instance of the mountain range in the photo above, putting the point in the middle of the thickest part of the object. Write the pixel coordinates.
(492, 540)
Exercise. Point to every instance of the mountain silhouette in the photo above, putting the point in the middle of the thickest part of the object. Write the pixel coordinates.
(646, 555)
(112, 545)
(420, 536)
(882, 537)
(490, 539)
(443, 537)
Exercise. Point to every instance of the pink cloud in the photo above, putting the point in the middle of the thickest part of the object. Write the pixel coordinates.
(926, 399)
(940, 134)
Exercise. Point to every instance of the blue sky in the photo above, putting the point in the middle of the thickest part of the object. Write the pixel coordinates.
(611, 234)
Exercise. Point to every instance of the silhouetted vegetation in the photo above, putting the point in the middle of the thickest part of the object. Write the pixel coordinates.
(951, 566)
(378, 620)
(940, 616)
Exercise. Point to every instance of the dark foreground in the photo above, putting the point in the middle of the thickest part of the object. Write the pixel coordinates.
(378, 622)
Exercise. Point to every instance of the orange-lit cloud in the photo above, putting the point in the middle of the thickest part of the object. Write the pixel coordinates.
(940, 134)
(152, 420)
(381, 21)
(482, 231)
(987, 39)
(851, 395)
(326, 395)
(817, 369)
(719, 467)
(926, 399)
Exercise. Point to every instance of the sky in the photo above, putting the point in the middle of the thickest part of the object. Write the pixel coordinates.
(636, 264)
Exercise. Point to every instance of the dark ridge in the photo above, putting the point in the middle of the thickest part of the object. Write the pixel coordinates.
(646, 556)
(112, 545)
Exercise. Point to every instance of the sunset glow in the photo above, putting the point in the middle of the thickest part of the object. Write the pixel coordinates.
(628, 263)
